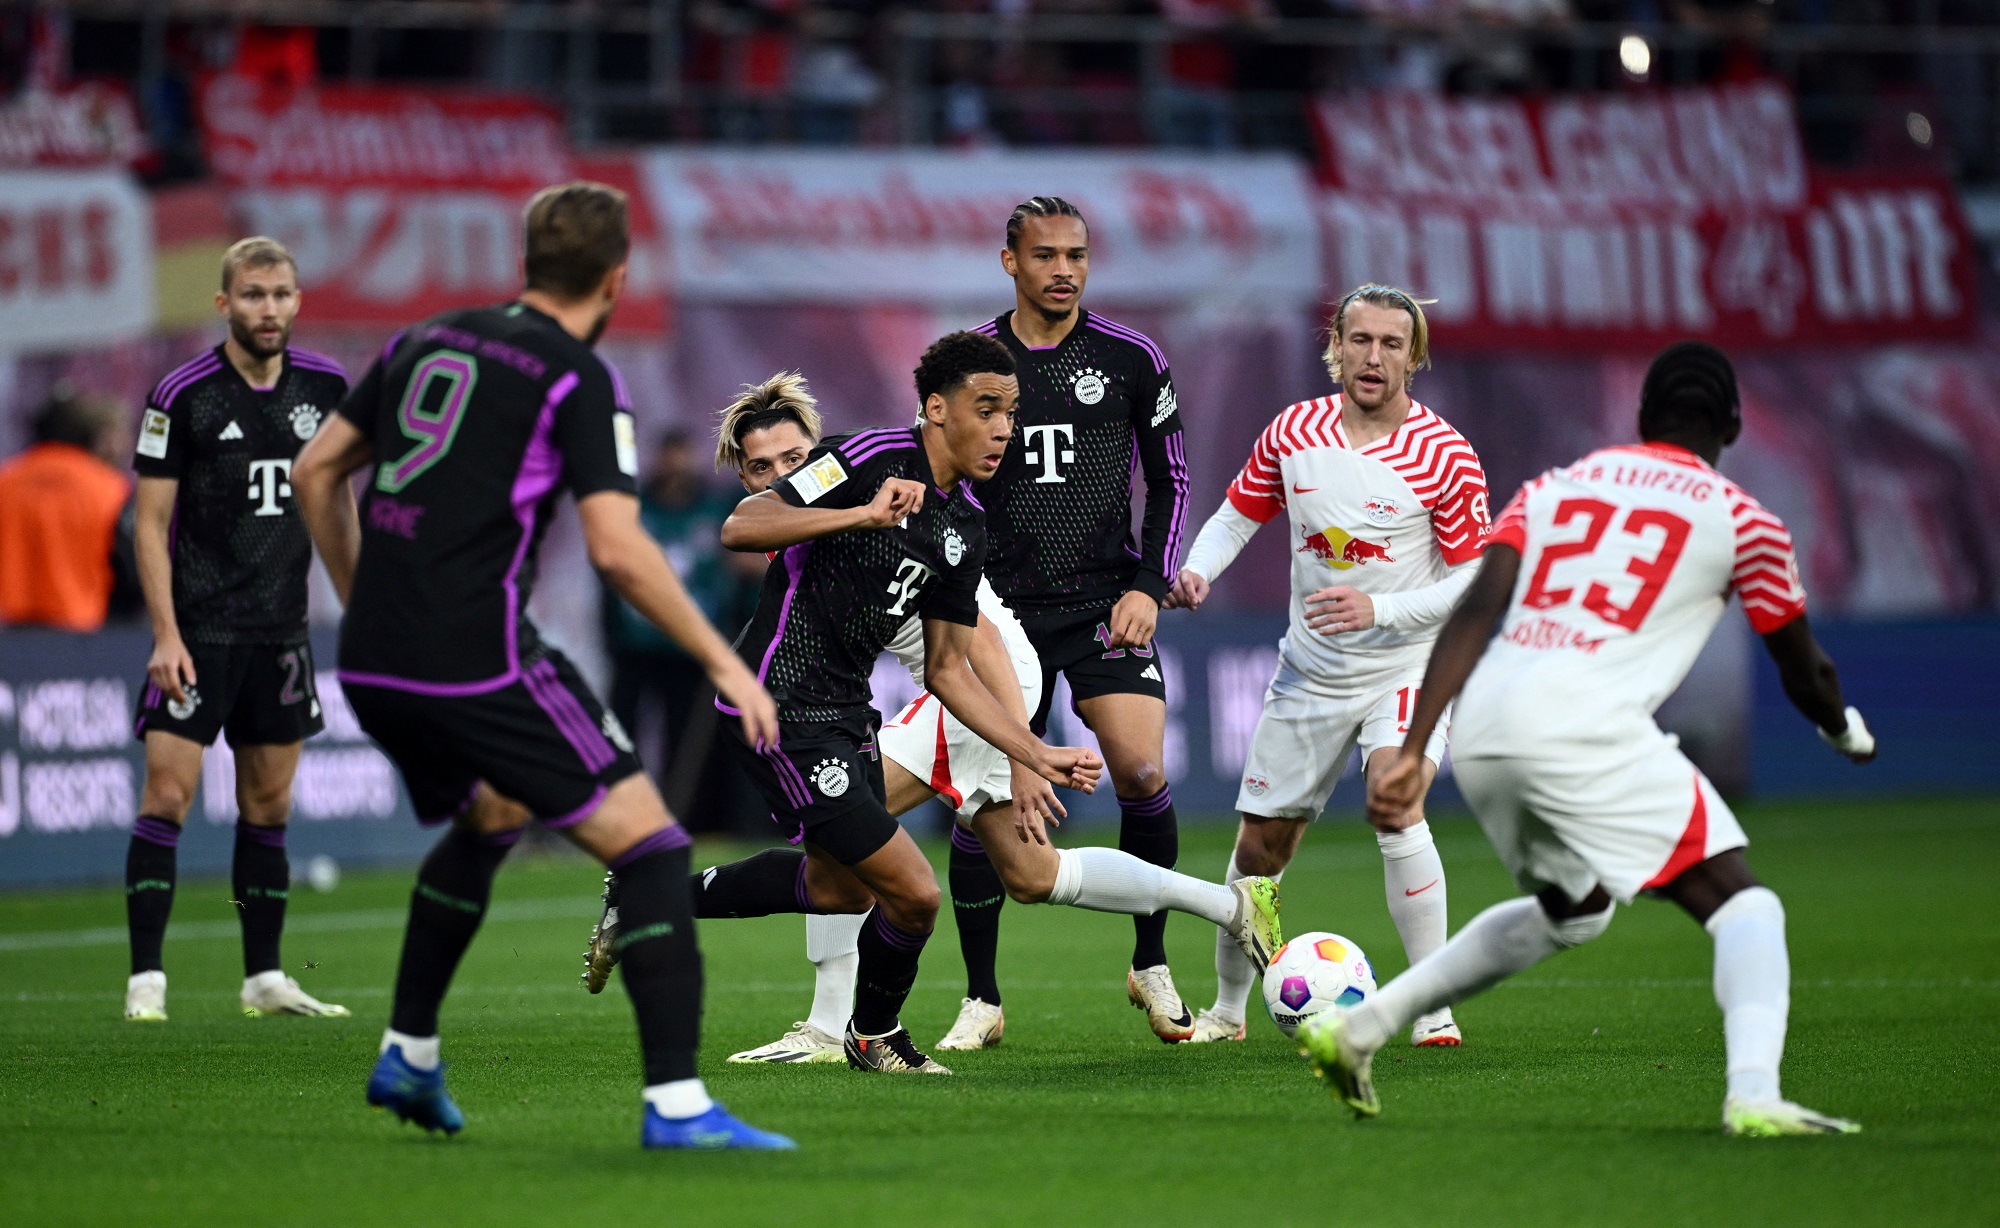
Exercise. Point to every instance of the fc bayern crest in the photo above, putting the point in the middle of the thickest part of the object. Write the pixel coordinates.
(305, 421)
(1379, 510)
(954, 547)
(1089, 386)
(181, 709)
(830, 777)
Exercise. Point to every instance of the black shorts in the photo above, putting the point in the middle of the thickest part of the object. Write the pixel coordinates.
(823, 782)
(260, 694)
(1078, 645)
(542, 740)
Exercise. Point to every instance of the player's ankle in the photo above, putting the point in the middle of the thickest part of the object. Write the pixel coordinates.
(679, 1099)
(421, 1052)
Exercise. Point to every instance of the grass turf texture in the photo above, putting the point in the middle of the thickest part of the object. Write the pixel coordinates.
(1589, 1088)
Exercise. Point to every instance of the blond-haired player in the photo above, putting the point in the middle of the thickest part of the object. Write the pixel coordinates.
(1388, 513)
(1601, 582)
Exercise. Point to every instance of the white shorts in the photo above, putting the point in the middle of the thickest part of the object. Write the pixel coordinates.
(933, 746)
(1625, 817)
(1308, 731)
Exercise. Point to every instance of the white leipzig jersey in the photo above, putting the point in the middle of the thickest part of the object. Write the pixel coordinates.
(1387, 518)
(908, 645)
(1627, 559)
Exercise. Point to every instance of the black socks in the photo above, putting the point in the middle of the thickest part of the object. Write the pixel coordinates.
(976, 899)
(658, 956)
(1147, 830)
(888, 967)
(261, 879)
(773, 881)
(445, 910)
(149, 888)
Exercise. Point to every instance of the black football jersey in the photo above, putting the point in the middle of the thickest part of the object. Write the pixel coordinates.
(480, 419)
(1060, 508)
(240, 549)
(829, 606)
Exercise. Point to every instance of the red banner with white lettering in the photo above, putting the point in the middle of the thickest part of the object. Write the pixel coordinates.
(399, 203)
(1628, 220)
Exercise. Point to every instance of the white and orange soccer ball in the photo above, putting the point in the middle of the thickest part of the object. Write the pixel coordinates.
(1315, 972)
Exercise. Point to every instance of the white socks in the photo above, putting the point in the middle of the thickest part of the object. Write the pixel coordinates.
(1505, 939)
(1413, 880)
(1234, 973)
(680, 1099)
(419, 1051)
(1107, 880)
(833, 946)
(1753, 980)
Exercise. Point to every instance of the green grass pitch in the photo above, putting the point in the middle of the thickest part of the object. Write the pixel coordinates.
(1588, 1090)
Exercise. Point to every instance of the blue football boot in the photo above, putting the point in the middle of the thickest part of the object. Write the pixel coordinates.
(412, 1094)
(714, 1130)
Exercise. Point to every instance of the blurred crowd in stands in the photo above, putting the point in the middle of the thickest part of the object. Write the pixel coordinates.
(1201, 73)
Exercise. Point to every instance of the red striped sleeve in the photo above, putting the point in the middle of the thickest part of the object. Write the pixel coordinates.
(1259, 489)
(1766, 575)
(1512, 527)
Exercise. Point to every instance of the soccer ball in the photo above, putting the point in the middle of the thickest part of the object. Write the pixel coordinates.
(1312, 973)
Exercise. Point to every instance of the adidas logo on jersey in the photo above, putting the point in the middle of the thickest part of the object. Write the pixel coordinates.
(1152, 672)
(232, 431)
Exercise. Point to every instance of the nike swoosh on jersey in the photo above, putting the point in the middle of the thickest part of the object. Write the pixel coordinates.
(1303, 490)
(1426, 887)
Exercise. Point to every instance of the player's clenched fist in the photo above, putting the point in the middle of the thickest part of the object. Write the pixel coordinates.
(170, 666)
(897, 498)
(1073, 767)
(1188, 592)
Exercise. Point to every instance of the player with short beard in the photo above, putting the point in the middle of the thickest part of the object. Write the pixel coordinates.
(1388, 514)
(1096, 398)
(223, 557)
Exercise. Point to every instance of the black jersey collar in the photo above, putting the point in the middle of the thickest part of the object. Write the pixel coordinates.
(284, 369)
(1012, 340)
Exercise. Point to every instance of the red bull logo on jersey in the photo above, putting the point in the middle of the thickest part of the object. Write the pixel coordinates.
(1340, 550)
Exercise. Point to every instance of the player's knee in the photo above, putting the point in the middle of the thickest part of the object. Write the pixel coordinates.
(166, 798)
(1577, 929)
(265, 807)
(1140, 778)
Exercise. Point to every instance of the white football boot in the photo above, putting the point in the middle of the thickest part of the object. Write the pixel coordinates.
(146, 998)
(1152, 990)
(1437, 1030)
(804, 1043)
(979, 1026)
(1211, 1025)
(274, 993)
(1777, 1118)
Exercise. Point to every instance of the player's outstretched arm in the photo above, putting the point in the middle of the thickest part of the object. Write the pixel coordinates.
(633, 563)
(326, 501)
(767, 522)
(1035, 803)
(1813, 685)
(171, 667)
(948, 675)
(1459, 647)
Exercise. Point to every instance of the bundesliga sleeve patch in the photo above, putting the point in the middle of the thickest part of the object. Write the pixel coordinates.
(153, 434)
(816, 479)
(627, 441)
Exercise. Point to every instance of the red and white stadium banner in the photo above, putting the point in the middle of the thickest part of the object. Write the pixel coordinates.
(400, 202)
(1625, 220)
(89, 124)
(927, 226)
(76, 259)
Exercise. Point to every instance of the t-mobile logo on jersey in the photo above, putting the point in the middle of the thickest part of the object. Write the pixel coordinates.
(268, 484)
(909, 581)
(1042, 440)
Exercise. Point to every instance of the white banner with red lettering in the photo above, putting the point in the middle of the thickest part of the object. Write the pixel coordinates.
(402, 202)
(1631, 219)
(928, 225)
(76, 259)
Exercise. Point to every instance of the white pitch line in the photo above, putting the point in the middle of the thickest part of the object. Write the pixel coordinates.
(311, 923)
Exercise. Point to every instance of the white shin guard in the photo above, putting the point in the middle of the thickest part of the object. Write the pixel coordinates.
(1107, 880)
(1235, 975)
(1413, 881)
